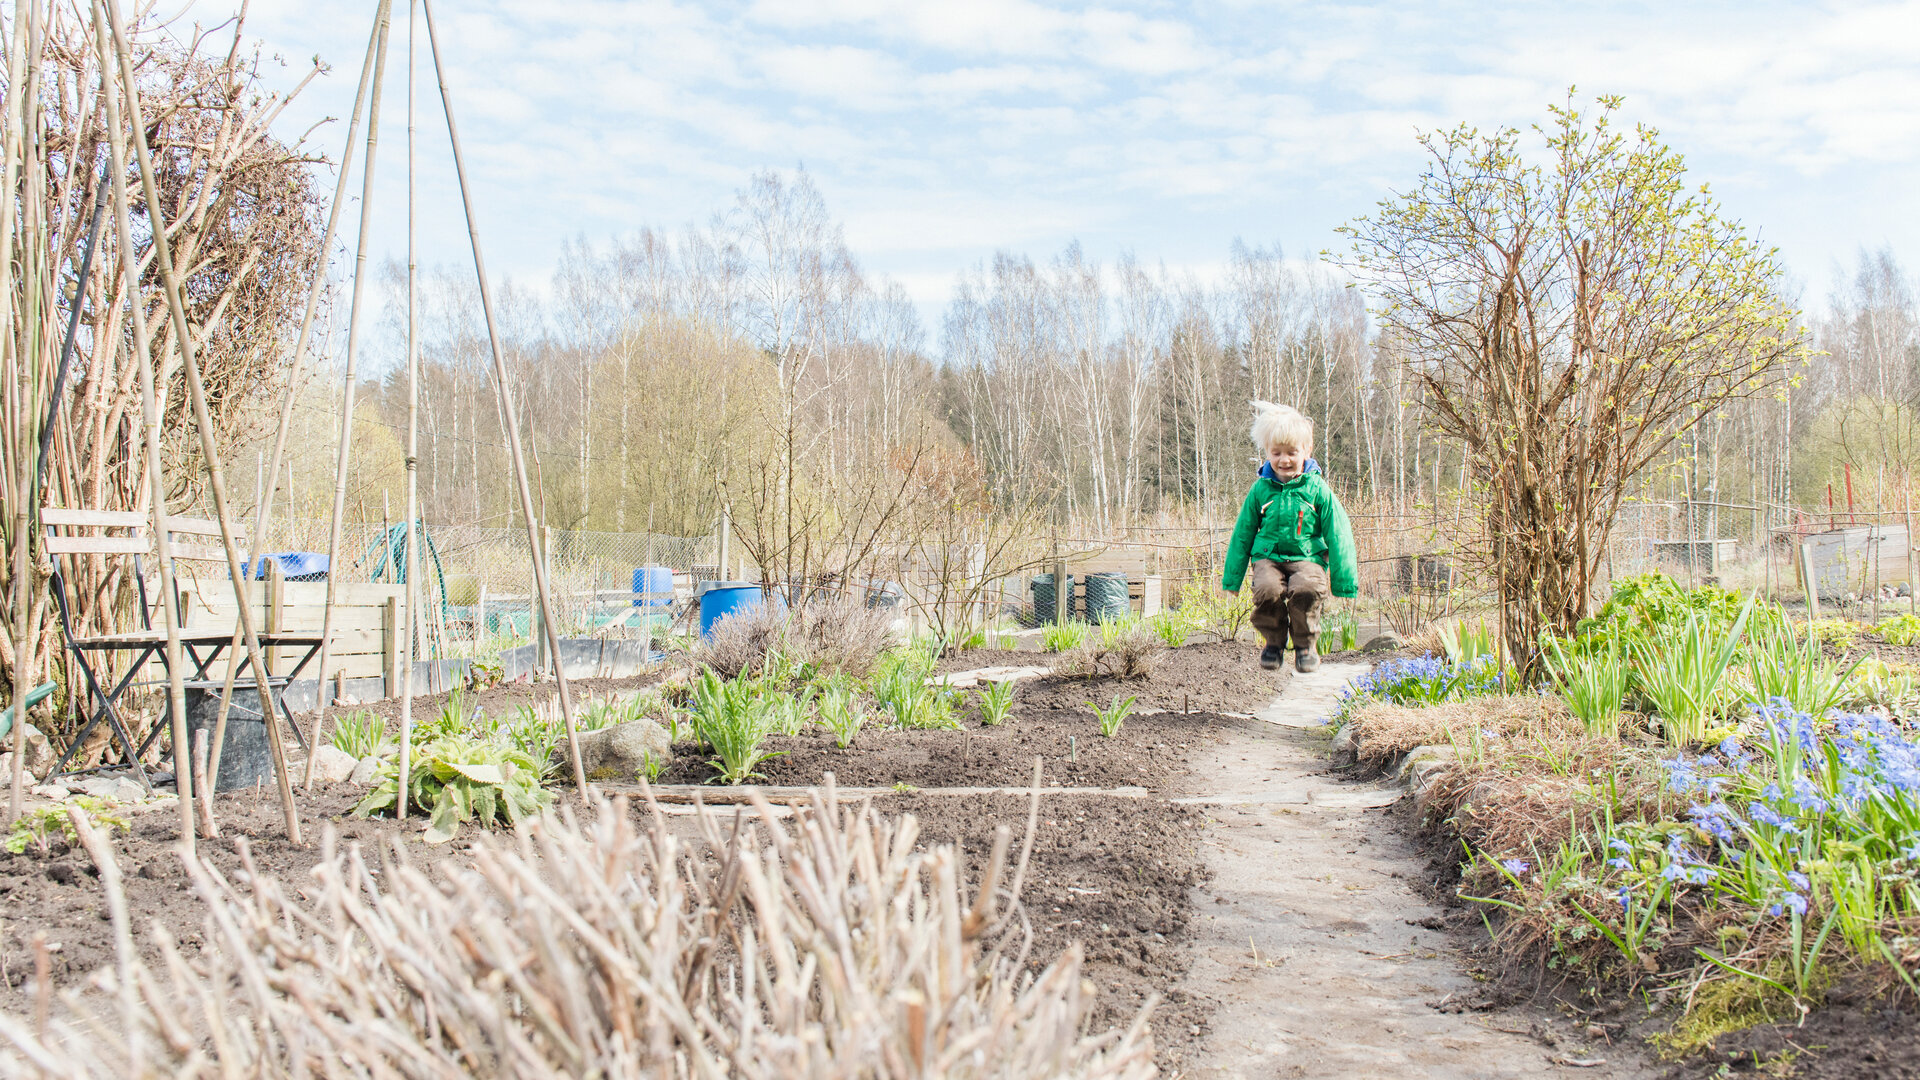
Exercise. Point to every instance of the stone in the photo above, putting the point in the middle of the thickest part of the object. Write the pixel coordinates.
(51, 791)
(1384, 642)
(364, 770)
(40, 755)
(331, 765)
(619, 752)
(1423, 757)
(118, 789)
(1345, 753)
(6, 772)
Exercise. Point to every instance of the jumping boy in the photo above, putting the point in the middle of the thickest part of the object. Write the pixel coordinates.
(1294, 531)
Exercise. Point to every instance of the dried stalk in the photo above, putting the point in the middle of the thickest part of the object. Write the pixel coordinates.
(822, 947)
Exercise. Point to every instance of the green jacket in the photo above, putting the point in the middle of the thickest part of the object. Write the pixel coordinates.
(1300, 519)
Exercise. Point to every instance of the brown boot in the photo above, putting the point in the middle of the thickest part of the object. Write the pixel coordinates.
(1306, 660)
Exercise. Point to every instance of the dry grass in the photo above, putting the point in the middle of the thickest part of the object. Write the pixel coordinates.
(1384, 731)
(1134, 655)
(821, 946)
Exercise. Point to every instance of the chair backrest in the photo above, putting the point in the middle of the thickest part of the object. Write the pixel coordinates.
(56, 544)
(198, 528)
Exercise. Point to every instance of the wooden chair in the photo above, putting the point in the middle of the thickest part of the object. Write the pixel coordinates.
(201, 647)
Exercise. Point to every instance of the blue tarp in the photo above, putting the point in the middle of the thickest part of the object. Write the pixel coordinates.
(293, 565)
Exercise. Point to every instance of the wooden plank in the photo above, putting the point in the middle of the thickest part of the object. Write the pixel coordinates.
(99, 519)
(197, 551)
(193, 526)
(308, 619)
(97, 545)
(390, 644)
(304, 593)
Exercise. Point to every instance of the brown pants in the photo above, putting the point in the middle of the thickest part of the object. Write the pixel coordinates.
(1287, 596)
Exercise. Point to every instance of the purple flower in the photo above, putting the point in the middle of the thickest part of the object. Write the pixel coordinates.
(1618, 844)
(1514, 866)
(1618, 863)
(1765, 815)
(1797, 902)
(1798, 879)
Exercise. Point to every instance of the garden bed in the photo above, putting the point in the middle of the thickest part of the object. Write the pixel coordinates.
(1221, 676)
(1149, 751)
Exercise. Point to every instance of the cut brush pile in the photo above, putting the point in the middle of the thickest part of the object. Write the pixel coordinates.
(823, 946)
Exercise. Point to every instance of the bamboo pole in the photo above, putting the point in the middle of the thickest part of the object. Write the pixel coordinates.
(411, 618)
(507, 410)
(18, 58)
(150, 411)
(216, 479)
(381, 19)
(263, 512)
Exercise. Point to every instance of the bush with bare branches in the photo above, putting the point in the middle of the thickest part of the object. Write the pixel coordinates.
(824, 946)
(836, 635)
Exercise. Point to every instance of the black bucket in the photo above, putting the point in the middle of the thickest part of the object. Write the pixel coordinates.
(247, 758)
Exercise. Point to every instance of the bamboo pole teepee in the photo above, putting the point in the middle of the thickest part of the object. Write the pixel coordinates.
(382, 21)
(216, 480)
(143, 361)
(512, 422)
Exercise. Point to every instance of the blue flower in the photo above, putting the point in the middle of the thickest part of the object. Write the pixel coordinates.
(1797, 902)
(1514, 866)
(1798, 879)
(1618, 863)
(1618, 844)
(1765, 815)
(1625, 897)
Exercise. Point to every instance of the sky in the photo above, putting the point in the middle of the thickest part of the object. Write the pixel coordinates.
(940, 132)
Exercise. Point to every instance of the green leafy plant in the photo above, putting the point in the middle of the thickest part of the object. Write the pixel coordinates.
(996, 701)
(535, 732)
(1593, 683)
(1834, 633)
(1784, 665)
(732, 719)
(1467, 640)
(1115, 631)
(1682, 672)
(840, 711)
(1172, 628)
(1210, 609)
(361, 733)
(455, 779)
(652, 767)
(1339, 632)
(1899, 630)
(37, 828)
(1062, 637)
(1114, 715)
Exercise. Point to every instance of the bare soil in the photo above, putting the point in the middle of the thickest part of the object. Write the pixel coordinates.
(1222, 676)
(1115, 874)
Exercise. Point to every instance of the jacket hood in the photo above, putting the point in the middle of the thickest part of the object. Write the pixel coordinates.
(1266, 470)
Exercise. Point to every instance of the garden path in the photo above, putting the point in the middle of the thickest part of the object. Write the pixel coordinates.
(1313, 938)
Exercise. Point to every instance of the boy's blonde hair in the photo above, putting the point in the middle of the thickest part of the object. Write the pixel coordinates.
(1280, 425)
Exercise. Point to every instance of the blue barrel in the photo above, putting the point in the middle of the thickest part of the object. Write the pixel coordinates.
(720, 599)
(652, 586)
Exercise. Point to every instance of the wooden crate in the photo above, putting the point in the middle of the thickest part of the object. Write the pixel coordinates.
(367, 619)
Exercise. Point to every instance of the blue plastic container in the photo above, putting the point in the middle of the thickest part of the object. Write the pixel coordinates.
(294, 565)
(723, 598)
(654, 580)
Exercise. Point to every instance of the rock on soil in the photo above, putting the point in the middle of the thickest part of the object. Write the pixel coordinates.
(331, 765)
(620, 752)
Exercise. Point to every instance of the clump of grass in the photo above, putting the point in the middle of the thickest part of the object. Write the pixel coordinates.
(1172, 628)
(1784, 665)
(1114, 715)
(1063, 637)
(1339, 632)
(1835, 633)
(840, 711)
(996, 701)
(361, 733)
(1682, 672)
(1593, 683)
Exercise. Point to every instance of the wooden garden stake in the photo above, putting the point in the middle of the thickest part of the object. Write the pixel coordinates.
(197, 396)
(382, 18)
(412, 578)
(150, 409)
(507, 409)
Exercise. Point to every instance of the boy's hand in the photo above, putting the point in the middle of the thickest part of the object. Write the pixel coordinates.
(1231, 594)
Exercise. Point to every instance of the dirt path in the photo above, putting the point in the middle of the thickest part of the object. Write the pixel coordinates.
(1313, 940)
